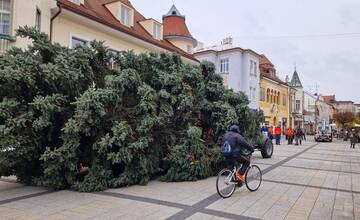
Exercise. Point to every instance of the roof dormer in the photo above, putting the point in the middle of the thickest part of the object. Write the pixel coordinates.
(153, 27)
(78, 2)
(122, 12)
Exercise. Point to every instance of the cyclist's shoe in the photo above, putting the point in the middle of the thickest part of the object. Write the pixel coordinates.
(239, 184)
(240, 177)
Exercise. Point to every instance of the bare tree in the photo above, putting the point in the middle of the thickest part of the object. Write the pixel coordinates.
(345, 119)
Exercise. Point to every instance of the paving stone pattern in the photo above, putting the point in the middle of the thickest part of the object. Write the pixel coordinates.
(313, 181)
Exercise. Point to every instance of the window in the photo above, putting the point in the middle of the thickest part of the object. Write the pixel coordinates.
(77, 42)
(255, 68)
(113, 64)
(250, 93)
(297, 105)
(262, 94)
(38, 20)
(251, 67)
(157, 31)
(284, 100)
(268, 95)
(278, 98)
(5, 16)
(125, 16)
(224, 65)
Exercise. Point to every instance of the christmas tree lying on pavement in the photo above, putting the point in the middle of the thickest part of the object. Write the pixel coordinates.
(67, 119)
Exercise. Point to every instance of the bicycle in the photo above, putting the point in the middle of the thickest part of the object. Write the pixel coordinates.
(227, 182)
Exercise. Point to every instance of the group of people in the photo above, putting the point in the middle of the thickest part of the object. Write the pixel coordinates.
(296, 134)
(291, 134)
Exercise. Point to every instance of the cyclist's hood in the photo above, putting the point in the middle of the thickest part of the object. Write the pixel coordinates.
(234, 128)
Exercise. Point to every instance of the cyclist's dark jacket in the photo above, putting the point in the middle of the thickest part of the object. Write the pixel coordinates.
(237, 142)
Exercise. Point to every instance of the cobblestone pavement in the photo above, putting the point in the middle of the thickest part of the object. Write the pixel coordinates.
(312, 181)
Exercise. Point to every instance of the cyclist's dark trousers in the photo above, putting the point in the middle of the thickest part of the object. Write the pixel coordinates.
(244, 167)
(235, 161)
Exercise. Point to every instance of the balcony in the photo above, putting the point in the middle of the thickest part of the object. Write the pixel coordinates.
(5, 42)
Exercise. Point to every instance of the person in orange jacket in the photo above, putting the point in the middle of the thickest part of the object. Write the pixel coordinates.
(290, 134)
(277, 135)
(271, 133)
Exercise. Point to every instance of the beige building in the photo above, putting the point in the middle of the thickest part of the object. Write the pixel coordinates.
(77, 22)
(16, 13)
(325, 111)
(345, 106)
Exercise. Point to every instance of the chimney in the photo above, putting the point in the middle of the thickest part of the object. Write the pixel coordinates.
(287, 79)
(200, 46)
(227, 41)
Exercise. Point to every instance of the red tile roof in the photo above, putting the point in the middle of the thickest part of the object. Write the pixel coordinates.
(175, 26)
(96, 11)
(329, 98)
(267, 70)
(265, 61)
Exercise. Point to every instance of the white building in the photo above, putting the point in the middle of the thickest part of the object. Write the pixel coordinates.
(325, 112)
(238, 67)
(309, 112)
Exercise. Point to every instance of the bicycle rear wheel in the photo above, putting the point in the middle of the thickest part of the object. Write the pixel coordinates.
(226, 183)
(253, 178)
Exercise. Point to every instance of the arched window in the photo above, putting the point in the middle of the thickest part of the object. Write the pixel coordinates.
(5, 12)
(272, 96)
(278, 98)
(268, 95)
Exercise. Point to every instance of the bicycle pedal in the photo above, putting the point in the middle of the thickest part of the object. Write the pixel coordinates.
(239, 184)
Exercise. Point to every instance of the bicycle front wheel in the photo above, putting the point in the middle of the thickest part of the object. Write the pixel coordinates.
(226, 183)
(253, 178)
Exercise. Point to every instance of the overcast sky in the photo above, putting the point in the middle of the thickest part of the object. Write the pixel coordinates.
(314, 34)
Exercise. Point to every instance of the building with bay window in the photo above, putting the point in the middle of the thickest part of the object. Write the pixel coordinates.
(297, 110)
(238, 67)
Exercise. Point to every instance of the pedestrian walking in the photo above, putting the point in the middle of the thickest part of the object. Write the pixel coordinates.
(278, 135)
(353, 139)
(290, 135)
(271, 133)
(304, 134)
(298, 136)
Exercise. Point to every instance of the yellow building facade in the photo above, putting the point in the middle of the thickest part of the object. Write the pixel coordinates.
(77, 22)
(274, 96)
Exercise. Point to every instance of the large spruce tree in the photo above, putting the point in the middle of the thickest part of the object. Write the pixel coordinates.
(152, 116)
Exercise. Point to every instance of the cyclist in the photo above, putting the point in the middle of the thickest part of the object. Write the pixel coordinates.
(239, 147)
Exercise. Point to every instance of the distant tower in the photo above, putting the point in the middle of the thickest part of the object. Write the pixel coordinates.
(176, 31)
(295, 80)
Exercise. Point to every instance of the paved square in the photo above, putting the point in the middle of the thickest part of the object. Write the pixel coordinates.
(312, 181)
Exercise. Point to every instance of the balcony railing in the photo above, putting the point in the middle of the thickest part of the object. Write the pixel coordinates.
(5, 42)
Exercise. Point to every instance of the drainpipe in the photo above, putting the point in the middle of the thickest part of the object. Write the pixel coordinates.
(52, 19)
